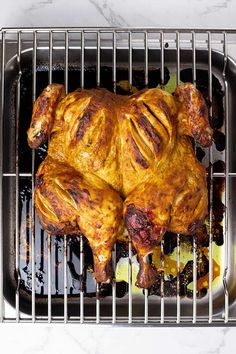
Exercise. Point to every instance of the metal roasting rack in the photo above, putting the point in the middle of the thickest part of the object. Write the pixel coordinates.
(33, 40)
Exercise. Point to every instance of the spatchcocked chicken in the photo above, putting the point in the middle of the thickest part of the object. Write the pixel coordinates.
(117, 161)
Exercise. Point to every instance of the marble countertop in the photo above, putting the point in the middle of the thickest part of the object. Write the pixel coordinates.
(61, 339)
(30, 339)
(185, 13)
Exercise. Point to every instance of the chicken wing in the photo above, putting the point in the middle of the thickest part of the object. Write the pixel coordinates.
(43, 114)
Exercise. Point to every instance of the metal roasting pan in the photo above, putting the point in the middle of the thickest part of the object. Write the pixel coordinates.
(35, 277)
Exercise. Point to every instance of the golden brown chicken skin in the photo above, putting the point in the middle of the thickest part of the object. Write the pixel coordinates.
(193, 114)
(173, 196)
(43, 114)
(70, 203)
(113, 158)
(175, 200)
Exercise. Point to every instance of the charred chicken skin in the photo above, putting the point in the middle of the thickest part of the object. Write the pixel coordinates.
(116, 161)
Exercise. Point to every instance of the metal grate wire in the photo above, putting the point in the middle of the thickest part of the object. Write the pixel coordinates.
(118, 38)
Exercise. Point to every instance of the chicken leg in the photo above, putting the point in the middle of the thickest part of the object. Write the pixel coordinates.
(69, 203)
(174, 197)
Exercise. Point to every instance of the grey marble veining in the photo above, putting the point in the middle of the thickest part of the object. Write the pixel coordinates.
(215, 7)
(37, 5)
(107, 11)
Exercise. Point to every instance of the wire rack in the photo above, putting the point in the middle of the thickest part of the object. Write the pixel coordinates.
(129, 40)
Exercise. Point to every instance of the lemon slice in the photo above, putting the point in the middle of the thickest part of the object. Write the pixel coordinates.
(122, 272)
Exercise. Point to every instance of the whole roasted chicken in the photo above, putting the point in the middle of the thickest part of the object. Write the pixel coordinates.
(116, 161)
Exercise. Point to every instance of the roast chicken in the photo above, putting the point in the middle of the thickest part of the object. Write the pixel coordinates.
(118, 162)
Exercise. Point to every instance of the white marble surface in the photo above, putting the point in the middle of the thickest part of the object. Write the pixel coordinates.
(30, 339)
(184, 13)
(61, 339)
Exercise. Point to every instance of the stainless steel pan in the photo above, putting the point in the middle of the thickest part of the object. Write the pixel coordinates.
(46, 279)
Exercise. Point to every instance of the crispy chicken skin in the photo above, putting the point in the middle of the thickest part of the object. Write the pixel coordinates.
(43, 114)
(193, 114)
(113, 158)
(68, 202)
